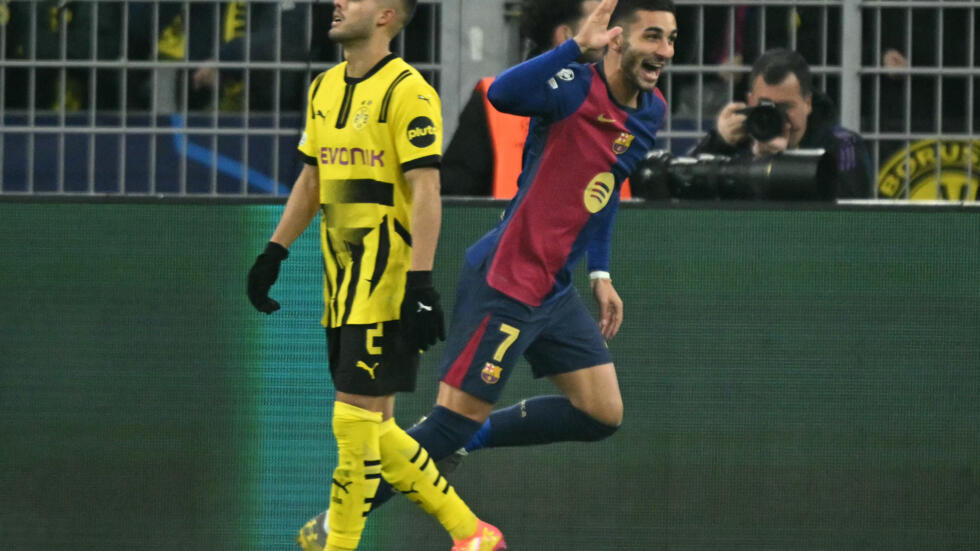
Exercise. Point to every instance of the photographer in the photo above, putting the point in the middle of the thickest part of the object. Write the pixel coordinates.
(781, 91)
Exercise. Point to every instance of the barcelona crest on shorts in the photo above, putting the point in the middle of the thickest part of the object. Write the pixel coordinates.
(622, 143)
(490, 373)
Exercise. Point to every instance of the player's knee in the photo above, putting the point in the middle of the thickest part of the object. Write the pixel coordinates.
(608, 411)
(594, 428)
(598, 430)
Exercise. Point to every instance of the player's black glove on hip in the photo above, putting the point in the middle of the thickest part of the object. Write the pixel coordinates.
(263, 274)
(421, 315)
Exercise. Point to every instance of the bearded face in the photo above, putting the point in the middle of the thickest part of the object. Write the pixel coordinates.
(647, 46)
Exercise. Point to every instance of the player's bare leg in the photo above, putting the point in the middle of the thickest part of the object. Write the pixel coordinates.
(463, 403)
(594, 391)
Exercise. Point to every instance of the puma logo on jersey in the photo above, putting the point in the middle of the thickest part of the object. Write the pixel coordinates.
(370, 369)
(424, 307)
(343, 487)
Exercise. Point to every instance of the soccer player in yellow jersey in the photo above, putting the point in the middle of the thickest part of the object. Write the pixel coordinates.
(372, 144)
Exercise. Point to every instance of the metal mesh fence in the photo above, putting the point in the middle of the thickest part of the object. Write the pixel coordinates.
(174, 98)
(203, 97)
(919, 103)
(901, 72)
(719, 41)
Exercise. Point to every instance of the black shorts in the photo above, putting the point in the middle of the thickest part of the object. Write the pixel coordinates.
(371, 360)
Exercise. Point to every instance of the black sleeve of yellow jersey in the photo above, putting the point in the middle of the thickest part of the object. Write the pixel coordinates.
(306, 158)
(431, 161)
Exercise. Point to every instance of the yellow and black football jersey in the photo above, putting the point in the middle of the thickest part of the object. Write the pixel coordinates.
(363, 134)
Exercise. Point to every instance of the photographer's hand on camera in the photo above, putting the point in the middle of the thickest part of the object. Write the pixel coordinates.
(731, 124)
(771, 147)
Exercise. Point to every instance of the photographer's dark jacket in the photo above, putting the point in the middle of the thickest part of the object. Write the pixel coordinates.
(846, 149)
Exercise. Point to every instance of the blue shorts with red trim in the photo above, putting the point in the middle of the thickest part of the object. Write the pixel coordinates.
(490, 331)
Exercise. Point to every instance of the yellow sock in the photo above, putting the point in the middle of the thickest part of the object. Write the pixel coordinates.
(358, 473)
(410, 470)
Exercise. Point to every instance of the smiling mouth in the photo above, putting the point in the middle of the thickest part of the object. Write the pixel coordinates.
(337, 19)
(652, 69)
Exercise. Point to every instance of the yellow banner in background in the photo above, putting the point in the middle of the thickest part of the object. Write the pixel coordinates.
(954, 179)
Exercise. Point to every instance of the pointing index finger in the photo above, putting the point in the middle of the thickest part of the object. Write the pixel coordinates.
(606, 6)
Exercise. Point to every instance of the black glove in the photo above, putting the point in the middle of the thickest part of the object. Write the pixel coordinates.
(263, 274)
(421, 316)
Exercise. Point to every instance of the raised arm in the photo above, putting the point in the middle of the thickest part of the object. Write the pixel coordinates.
(525, 88)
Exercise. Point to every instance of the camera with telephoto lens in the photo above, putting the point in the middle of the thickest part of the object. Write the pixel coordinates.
(765, 121)
(799, 174)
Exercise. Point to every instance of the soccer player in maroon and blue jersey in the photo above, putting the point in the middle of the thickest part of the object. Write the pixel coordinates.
(591, 125)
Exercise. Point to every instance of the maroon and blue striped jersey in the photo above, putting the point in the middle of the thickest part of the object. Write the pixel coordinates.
(581, 145)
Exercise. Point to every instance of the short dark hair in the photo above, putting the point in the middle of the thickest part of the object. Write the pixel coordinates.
(539, 18)
(626, 9)
(409, 9)
(775, 65)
